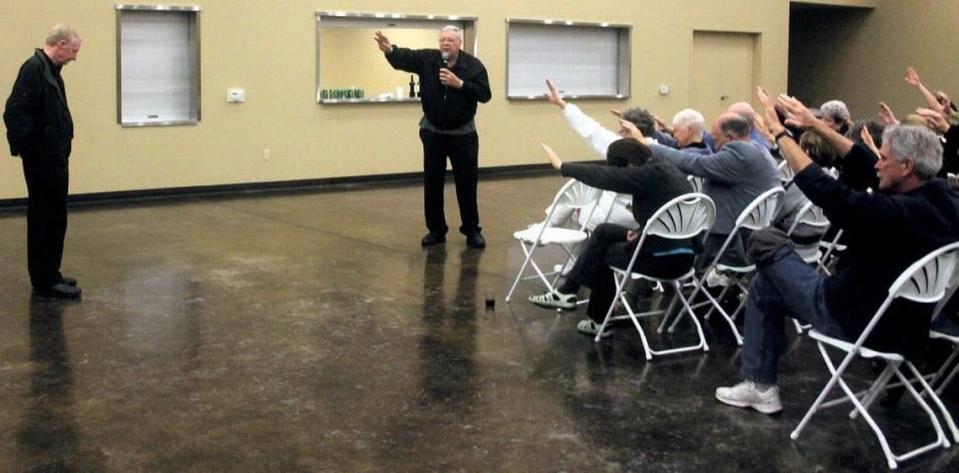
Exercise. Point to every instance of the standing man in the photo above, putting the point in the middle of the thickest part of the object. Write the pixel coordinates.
(451, 83)
(39, 130)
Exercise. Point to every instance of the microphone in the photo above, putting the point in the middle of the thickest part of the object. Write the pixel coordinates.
(446, 63)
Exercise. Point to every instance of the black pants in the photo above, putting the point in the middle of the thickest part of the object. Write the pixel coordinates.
(606, 246)
(463, 152)
(47, 186)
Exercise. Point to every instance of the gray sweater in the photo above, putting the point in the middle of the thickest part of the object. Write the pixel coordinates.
(734, 176)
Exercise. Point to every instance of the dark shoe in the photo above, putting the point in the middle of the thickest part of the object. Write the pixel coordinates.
(68, 281)
(475, 240)
(58, 291)
(433, 239)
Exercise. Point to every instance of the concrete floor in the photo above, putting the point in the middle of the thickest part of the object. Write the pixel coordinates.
(310, 332)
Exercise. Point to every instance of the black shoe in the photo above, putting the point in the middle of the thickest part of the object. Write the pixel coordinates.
(68, 281)
(58, 291)
(475, 240)
(433, 239)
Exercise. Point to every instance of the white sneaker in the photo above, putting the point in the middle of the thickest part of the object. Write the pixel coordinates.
(745, 394)
(714, 279)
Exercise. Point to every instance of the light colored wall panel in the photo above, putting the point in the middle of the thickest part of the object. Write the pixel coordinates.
(268, 48)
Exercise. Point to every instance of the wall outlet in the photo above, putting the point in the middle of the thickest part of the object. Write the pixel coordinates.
(266, 154)
(663, 89)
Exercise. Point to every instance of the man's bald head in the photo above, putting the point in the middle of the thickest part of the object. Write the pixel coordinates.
(729, 127)
(744, 110)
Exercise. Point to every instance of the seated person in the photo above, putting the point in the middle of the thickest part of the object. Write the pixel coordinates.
(737, 173)
(836, 115)
(652, 182)
(910, 214)
(613, 208)
(687, 134)
(805, 238)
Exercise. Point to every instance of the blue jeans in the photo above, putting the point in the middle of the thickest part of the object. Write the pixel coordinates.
(787, 287)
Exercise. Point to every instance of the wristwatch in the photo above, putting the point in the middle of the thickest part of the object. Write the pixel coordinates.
(781, 134)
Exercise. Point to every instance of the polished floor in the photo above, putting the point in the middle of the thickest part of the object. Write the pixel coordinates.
(311, 333)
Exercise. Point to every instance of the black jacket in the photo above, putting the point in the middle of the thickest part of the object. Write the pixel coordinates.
(39, 126)
(445, 107)
(652, 184)
(885, 234)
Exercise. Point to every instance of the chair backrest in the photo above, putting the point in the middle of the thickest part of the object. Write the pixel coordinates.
(760, 212)
(810, 215)
(924, 281)
(577, 195)
(697, 182)
(786, 173)
(685, 216)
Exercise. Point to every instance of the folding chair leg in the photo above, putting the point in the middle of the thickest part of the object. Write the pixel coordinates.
(936, 400)
(878, 386)
(669, 311)
(937, 381)
(519, 275)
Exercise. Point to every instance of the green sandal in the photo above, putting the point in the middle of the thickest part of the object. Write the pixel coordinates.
(555, 300)
(588, 327)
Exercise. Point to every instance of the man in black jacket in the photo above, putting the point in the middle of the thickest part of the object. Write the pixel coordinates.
(451, 83)
(910, 214)
(40, 131)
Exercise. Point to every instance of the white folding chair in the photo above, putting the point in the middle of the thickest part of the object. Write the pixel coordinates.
(756, 216)
(786, 173)
(687, 216)
(828, 257)
(924, 281)
(809, 215)
(573, 194)
(697, 182)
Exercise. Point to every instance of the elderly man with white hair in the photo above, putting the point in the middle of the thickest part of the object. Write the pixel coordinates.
(911, 214)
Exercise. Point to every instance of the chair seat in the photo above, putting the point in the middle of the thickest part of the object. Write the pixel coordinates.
(634, 275)
(735, 269)
(847, 346)
(563, 236)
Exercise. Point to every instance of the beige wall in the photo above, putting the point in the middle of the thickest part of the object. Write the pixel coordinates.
(867, 64)
(268, 48)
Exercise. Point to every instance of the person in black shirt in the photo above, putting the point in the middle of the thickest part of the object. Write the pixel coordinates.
(40, 131)
(452, 82)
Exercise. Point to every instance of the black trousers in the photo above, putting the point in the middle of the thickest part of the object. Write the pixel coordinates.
(607, 246)
(47, 187)
(463, 153)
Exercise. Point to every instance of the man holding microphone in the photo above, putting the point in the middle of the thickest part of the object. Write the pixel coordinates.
(452, 82)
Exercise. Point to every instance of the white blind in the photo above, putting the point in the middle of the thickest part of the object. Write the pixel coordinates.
(583, 60)
(158, 76)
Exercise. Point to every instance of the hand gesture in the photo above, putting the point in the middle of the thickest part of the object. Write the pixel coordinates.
(553, 96)
(627, 129)
(616, 112)
(772, 122)
(868, 141)
(631, 235)
(935, 119)
(944, 100)
(662, 125)
(912, 77)
(886, 115)
(797, 113)
(448, 78)
(552, 156)
(383, 42)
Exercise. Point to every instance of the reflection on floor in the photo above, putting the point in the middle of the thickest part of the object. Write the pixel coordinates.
(310, 332)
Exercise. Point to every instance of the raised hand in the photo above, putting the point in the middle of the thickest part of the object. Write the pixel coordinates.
(772, 122)
(551, 156)
(886, 115)
(912, 77)
(868, 141)
(798, 114)
(627, 129)
(553, 96)
(935, 119)
(382, 41)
